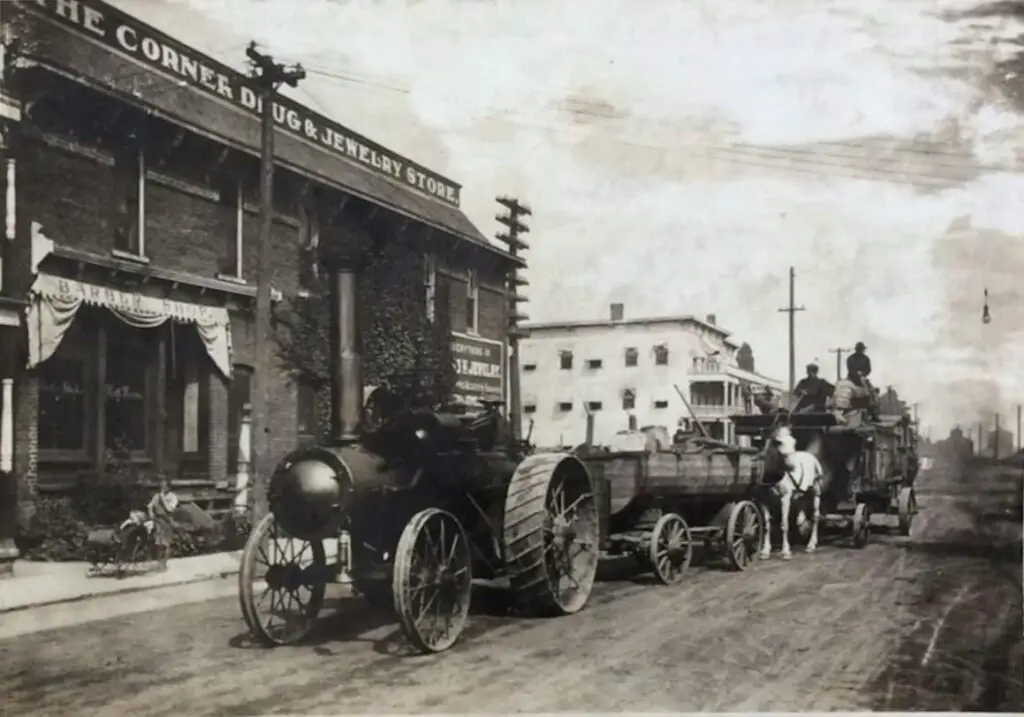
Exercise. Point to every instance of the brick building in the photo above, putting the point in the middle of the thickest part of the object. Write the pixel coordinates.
(127, 294)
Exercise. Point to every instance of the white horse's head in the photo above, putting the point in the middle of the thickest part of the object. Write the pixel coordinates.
(784, 439)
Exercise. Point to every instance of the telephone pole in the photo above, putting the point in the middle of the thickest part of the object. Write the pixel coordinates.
(269, 76)
(791, 310)
(839, 361)
(1018, 428)
(516, 228)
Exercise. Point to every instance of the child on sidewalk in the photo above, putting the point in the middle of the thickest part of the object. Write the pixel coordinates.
(161, 511)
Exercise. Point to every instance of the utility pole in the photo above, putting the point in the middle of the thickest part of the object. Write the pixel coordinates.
(915, 413)
(791, 310)
(1018, 428)
(839, 361)
(269, 76)
(981, 439)
(516, 228)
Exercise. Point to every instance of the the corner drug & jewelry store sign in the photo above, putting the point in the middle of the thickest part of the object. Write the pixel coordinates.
(121, 32)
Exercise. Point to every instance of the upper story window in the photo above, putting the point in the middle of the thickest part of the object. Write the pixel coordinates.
(472, 302)
(594, 363)
(632, 356)
(565, 406)
(566, 360)
(530, 408)
(130, 202)
(594, 406)
(309, 242)
(661, 355)
(661, 404)
(232, 199)
(430, 286)
(529, 367)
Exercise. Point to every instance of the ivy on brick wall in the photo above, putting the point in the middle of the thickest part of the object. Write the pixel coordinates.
(401, 349)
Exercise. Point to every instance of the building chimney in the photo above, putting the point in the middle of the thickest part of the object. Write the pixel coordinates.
(618, 311)
(712, 319)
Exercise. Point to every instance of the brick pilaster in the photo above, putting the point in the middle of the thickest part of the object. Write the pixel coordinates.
(218, 428)
(26, 442)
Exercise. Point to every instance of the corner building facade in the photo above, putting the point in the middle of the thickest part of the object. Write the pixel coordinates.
(128, 290)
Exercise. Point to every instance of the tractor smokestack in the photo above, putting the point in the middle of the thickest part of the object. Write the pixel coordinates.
(346, 371)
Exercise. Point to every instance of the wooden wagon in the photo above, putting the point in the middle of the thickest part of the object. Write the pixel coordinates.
(871, 463)
(656, 504)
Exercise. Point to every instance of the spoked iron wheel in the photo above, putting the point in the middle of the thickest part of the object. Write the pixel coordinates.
(907, 508)
(281, 584)
(671, 549)
(744, 534)
(432, 580)
(551, 534)
(860, 527)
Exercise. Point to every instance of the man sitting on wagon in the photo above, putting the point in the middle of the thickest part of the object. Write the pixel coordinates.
(858, 368)
(812, 392)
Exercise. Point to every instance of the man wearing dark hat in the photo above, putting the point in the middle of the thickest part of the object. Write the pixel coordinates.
(812, 392)
(858, 365)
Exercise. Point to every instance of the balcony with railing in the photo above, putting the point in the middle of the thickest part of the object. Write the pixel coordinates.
(709, 368)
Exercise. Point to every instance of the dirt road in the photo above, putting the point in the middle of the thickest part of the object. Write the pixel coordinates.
(926, 623)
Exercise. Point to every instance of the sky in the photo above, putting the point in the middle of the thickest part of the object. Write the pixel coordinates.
(680, 155)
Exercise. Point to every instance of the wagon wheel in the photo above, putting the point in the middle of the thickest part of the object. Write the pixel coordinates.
(281, 579)
(670, 549)
(432, 580)
(131, 549)
(907, 508)
(861, 525)
(551, 534)
(744, 534)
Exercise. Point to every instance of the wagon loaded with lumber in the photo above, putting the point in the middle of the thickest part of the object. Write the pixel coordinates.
(657, 503)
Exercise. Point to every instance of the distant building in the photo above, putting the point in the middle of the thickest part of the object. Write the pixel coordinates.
(620, 368)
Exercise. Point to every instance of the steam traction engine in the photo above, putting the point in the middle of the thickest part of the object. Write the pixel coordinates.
(431, 501)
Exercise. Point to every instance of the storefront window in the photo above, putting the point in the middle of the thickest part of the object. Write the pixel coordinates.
(62, 405)
(128, 360)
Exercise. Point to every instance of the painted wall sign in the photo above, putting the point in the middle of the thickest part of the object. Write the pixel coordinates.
(478, 364)
(121, 32)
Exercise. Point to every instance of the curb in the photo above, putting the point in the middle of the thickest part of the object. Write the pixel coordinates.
(126, 591)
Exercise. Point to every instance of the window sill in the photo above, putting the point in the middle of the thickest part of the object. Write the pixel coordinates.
(128, 256)
(232, 279)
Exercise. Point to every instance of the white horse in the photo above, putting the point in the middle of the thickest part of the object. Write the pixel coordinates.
(803, 474)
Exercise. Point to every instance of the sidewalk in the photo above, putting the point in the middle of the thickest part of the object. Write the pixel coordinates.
(38, 584)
